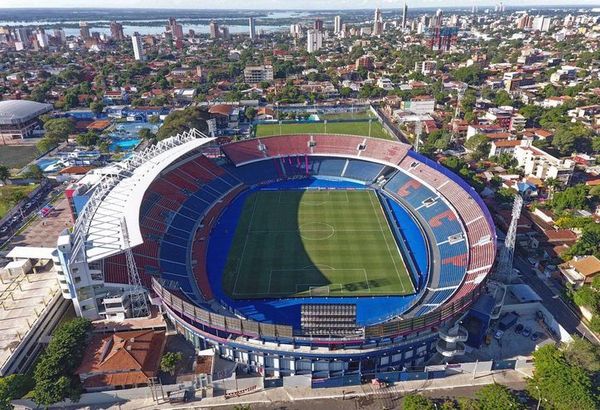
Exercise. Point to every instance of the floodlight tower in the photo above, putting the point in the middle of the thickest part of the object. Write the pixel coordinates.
(505, 261)
(137, 294)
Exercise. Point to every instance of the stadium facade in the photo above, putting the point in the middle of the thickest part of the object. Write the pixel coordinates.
(177, 202)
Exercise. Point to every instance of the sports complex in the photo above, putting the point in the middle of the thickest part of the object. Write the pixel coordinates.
(325, 255)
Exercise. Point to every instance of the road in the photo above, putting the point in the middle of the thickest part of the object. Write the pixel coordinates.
(551, 299)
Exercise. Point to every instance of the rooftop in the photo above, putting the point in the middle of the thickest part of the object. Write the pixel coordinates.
(17, 111)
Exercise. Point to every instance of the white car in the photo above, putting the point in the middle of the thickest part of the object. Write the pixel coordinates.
(498, 335)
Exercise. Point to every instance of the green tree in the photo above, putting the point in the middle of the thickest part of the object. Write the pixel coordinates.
(54, 373)
(34, 172)
(59, 128)
(89, 139)
(571, 198)
(560, 384)
(180, 121)
(417, 402)
(97, 107)
(170, 361)
(584, 354)
(495, 396)
(13, 387)
(46, 144)
(479, 145)
(250, 113)
(4, 173)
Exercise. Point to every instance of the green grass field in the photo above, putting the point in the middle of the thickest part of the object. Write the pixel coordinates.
(351, 128)
(17, 156)
(314, 243)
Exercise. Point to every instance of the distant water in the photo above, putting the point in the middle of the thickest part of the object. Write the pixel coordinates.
(142, 28)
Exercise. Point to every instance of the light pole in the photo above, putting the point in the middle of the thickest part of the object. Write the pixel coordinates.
(370, 121)
(325, 123)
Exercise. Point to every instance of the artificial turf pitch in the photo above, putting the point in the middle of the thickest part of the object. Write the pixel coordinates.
(314, 243)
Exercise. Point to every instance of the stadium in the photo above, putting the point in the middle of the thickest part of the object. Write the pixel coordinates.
(323, 255)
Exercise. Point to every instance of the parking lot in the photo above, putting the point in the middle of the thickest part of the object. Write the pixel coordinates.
(518, 340)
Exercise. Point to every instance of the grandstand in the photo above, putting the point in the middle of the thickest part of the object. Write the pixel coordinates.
(403, 241)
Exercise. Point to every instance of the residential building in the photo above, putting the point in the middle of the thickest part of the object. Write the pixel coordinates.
(84, 30)
(426, 67)
(314, 40)
(138, 47)
(404, 16)
(257, 74)
(377, 23)
(538, 163)
(121, 360)
(419, 105)
(580, 270)
(116, 31)
(337, 24)
(252, 27)
(214, 29)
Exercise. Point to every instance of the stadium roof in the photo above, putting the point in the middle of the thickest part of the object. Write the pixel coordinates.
(18, 111)
(123, 201)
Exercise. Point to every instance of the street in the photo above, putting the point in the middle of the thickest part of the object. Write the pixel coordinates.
(552, 301)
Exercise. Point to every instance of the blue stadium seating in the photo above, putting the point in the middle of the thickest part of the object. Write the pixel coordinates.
(362, 170)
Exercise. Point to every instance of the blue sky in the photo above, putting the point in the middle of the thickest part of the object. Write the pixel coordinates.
(280, 4)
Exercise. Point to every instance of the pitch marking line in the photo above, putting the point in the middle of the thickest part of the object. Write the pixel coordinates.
(237, 275)
(387, 244)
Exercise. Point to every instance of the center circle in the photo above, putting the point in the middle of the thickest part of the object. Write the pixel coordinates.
(316, 231)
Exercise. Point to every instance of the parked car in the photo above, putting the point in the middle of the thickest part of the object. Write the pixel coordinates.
(532, 261)
(498, 335)
(519, 328)
(527, 332)
(536, 336)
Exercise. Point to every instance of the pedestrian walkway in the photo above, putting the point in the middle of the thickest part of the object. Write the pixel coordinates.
(386, 396)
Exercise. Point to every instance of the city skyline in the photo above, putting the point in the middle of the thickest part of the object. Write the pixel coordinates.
(285, 5)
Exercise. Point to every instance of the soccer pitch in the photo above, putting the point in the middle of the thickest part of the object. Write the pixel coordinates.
(314, 243)
(351, 128)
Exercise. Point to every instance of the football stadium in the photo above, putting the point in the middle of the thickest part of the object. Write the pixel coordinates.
(323, 255)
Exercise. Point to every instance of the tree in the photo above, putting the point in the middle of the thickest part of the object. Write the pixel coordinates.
(563, 385)
(4, 173)
(13, 387)
(417, 402)
(250, 113)
(571, 198)
(46, 144)
(89, 139)
(472, 75)
(495, 396)
(146, 134)
(54, 373)
(34, 172)
(170, 361)
(97, 107)
(583, 353)
(180, 121)
(479, 145)
(59, 128)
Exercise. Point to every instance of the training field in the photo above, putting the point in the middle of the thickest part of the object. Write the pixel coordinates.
(314, 243)
(351, 128)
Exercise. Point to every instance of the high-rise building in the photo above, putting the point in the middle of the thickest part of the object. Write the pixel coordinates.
(59, 35)
(337, 24)
(116, 31)
(224, 33)
(84, 30)
(436, 21)
(252, 28)
(257, 74)
(314, 40)
(318, 24)
(377, 23)
(404, 15)
(174, 29)
(42, 38)
(295, 30)
(214, 29)
(138, 47)
(541, 23)
(22, 35)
